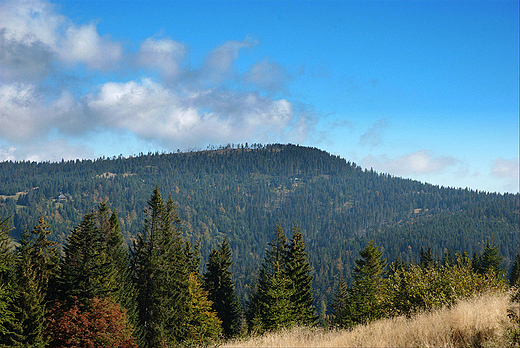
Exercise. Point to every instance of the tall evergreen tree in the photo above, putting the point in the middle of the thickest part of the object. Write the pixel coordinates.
(85, 271)
(161, 272)
(299, 269)
(8, 324)
(118, 262)
(367, 295)
(270, 306)
(221, 289)
(35, 273)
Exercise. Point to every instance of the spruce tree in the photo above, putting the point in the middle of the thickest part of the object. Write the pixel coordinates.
(270, 306)
(366, 300)
(35, 273)
(221, 289)
(85, 270)
(299, 269)
(118, 263)
(8, 295)
(161, 269)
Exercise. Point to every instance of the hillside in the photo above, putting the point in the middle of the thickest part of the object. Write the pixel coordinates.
(242, 192)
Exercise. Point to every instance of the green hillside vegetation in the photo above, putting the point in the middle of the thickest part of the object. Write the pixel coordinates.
(242, 192)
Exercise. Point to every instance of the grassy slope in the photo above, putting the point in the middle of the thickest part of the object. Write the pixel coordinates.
(478, 322)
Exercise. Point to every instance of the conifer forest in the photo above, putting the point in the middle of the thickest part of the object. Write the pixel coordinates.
(194, 248)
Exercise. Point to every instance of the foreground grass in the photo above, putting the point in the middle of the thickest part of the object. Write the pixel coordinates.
(478, 322)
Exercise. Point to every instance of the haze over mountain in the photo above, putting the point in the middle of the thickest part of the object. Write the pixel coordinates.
(241, 192)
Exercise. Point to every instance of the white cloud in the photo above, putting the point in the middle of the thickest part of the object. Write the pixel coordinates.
(154, 112)
(31, 22)
(25, 62)
(47, 104)
(84, 45)
(166, 55)
(374, 136)
(416, 163)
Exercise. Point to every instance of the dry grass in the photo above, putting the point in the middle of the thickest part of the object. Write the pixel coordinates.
(479, 322)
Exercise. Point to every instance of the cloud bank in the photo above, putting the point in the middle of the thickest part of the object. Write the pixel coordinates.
(49, 100)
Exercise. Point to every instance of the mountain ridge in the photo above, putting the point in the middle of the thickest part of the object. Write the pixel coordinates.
(241, 192)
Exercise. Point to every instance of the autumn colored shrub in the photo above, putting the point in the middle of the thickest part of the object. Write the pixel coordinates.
(97, 324)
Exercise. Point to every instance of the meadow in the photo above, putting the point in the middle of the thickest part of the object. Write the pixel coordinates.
(481, 321)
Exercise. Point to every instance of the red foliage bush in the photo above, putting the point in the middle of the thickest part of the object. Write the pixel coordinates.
(97, 324)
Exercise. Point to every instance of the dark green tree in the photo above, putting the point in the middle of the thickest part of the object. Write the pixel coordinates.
(35, 274)
(299, 271)
(488, 261)
(118, 263)
(221, 289)
(161, 271)
(8, 323)
(270, 306)
(367, 296)
(85, 269)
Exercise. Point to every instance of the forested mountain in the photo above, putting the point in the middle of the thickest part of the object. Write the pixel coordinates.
(243, 192)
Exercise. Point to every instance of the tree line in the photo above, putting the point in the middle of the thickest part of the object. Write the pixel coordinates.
(98, 293)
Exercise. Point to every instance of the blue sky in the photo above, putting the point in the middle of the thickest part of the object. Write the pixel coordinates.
(419, 89)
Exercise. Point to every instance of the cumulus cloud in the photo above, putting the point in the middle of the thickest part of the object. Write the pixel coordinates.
(33, 23)
(416, 163)
(267, 75)
(26, 115)
(374, 136)
(165, 55)
(20, 61)
(155, 112)
(47, 106)
(84, 45)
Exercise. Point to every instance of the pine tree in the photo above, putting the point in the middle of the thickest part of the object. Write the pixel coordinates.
(85, 270)
(487, 262)
(8, 322)
(270, 306)
(299, 269)
(118, 261)
(367, 296)
(160, 270)
(35, 273)
(221, 289)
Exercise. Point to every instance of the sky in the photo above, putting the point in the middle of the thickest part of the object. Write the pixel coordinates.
(427, 90)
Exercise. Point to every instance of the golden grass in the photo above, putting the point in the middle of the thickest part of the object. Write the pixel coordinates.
(478, 322)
